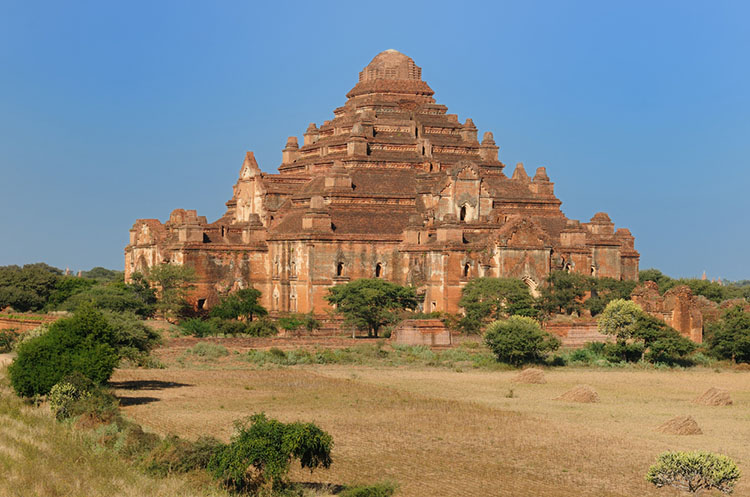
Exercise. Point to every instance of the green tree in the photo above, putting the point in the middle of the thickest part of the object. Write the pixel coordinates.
(640, 334)
(729, 338)
(694, 472)
(27, 288)
(488, 299)
(605, 290)
(84, 343)
(173, 281)
(519, 340)
(564, 293)
(369, 304)
(262, 449)
(115, 296)
(240, 304)
(620, 318)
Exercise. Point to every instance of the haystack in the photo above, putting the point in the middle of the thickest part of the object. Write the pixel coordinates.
(530, 375)
(681, 425)
(714, 397)
(581, 393)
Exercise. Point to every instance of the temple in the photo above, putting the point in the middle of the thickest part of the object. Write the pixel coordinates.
(392, 187)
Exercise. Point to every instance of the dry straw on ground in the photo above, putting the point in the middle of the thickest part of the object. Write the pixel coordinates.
(681, 425)
(581, 393)
(530, 375)
(714, 397)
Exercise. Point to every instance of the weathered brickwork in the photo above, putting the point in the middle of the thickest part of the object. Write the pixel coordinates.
(678, 307)
(392, 187)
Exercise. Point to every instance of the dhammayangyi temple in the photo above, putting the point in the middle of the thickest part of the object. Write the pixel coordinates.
(392, 187)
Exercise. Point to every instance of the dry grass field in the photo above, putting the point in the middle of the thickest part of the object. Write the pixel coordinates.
(444, 433)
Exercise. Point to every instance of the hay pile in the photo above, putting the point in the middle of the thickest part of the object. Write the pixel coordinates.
(681, 425)
(581, 393)
(714, 397)
(530, 375)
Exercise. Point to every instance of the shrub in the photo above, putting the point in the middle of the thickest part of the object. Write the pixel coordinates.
(82, 343)
(7, 339)
(488, 299)
(519, 340)
(177, 455)
(197, 327)
(694, 472)
(382, 489)
(260, 452)
(671, 350)
(209, 350)
(62, 397)
(623, 351)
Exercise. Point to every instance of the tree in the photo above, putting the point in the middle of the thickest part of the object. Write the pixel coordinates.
(84, 343)
(519, 340)
(295, 321)
(488, 299)
(620, 318)
(27, 288)
(605, 290)
(637, 331)
(240, 304)
(369, 304)
(694, 472)
(173, 282)
(730, 336)
(115, 296)
(564, 292)
(261, 451)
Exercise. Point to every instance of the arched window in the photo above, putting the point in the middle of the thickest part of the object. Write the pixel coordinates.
(378, 270)
(463, 213)
(467, 268)
(293, 269)
(339, 269)
(419, 238)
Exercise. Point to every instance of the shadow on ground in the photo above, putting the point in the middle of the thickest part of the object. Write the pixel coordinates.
(146, 385)
(136, 401)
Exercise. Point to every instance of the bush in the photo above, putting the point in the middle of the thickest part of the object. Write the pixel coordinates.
(7, 339)
(76, 395)
(197, 327)
(81, 344)
(262, 328)
(694, 472)
(623, 351)
(177, 455)
(383, 489)
(671, 350)
(261, 451)
(209, 350)
(519, 340)
(62, 398)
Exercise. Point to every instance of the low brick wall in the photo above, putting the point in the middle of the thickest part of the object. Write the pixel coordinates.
(431, 332)
(20, 322)
(576, 334)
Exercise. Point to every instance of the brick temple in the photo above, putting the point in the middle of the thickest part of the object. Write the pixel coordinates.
(392, 187)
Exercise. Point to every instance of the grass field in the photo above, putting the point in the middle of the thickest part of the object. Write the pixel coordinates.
(441, 432)
(41, 457)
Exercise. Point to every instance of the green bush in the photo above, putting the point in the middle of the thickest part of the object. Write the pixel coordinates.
(623, 351)
(383, 489)
(261, 451)
(694, 472)
(62, 398)
(197, 327)
(177, 455)
(82, 343)
(671, 350)
(262, 328)
(7, 339)
(519, 340)
(208, 350)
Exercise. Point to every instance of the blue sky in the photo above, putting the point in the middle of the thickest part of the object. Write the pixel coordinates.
(113, 111)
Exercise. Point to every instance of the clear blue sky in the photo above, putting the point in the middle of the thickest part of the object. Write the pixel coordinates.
(113, 111)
